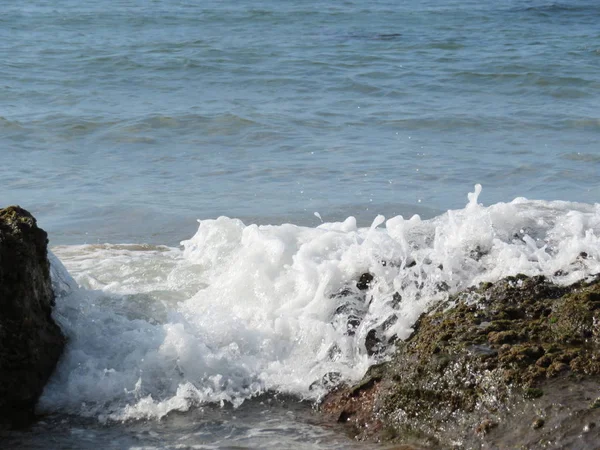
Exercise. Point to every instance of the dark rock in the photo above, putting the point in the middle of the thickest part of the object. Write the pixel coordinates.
(487, 359)
(329, 380)
(486, 426)
(353, 306)
(30, 341)
(387, 323)
(396, 300)
(538, 423)
(477, 253)
(373, 342)
(364, 281)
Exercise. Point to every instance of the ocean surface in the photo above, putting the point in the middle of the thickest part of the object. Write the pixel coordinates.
(456, 141)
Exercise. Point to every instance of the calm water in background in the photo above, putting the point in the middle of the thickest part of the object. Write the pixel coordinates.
(127, 120)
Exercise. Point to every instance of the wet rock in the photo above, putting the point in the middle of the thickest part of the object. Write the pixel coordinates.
(387, 323)
(373, 343)
(477, 253)
(353, 307)
(328, 381)
(351, 310)
(486, 426)
(538, 423)
(525, 345)
(364, 281)
(396, 300)
(30, 341)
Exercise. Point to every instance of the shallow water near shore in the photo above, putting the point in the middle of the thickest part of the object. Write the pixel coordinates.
(267, 422)
(314, 143)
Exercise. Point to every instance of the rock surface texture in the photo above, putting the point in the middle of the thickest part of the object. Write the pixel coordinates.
(30, 342)
(515, 364)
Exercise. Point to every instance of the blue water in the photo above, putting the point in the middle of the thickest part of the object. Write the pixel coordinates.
(127, 120)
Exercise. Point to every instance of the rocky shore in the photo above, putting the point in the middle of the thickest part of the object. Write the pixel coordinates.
(30, 342)
(515, 364)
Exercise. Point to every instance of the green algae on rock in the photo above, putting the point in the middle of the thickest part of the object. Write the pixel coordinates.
(486, 364)
(30, 341)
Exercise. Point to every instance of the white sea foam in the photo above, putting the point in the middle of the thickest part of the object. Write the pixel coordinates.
(243, 309)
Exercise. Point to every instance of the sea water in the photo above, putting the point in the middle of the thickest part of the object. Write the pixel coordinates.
(313, 142)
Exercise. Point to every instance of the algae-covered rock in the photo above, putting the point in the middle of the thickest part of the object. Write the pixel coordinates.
(511, 364)
(30, 341)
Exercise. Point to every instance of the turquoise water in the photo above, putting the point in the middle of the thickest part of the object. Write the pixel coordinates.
(127, 120)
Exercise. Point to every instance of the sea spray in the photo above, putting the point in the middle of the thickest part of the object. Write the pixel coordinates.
(239, 310)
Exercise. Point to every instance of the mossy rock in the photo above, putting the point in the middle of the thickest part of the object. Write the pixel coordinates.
(475, 356)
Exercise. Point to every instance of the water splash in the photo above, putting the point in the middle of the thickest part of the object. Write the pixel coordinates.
(240, 309)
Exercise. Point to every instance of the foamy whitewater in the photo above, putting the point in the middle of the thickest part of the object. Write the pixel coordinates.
(240, 310)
